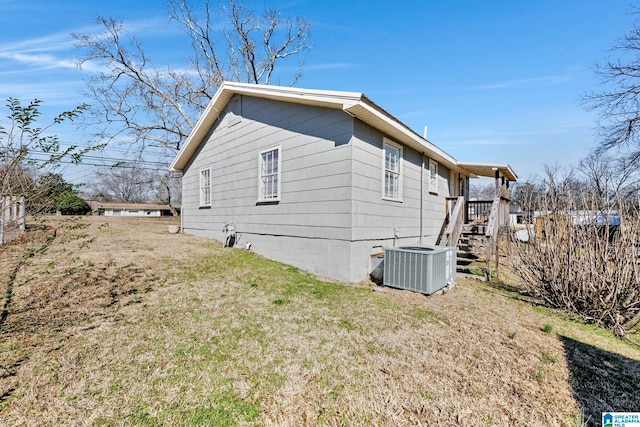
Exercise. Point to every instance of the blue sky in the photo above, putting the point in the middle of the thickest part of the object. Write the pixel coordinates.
(494, 81)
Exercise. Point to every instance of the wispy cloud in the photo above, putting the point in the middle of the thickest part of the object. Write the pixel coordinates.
(44, 53)
(41, 61)
(52, 42)
(39, 51)
(534, 81)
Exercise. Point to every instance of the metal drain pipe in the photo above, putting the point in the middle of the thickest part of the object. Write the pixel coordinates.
(422, 199)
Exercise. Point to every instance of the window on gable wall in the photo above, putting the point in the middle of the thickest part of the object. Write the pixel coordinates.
(269, 175)
(392, 171)
(433, 177)
(205, 187)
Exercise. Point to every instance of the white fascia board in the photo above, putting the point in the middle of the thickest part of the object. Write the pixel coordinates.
(396, 129)
(204, 123)
(323, 98)
(487, 169)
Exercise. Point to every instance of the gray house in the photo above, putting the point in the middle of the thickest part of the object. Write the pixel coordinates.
(321, 180)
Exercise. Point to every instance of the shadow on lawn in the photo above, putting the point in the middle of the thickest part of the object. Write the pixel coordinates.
(601, 381)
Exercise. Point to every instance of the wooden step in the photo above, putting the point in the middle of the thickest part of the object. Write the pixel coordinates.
(466, 254)
(472, 270)
(460, 274)
(469, 269)
(472, 233)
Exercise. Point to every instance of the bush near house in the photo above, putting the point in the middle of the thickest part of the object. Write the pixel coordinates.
(585, 257)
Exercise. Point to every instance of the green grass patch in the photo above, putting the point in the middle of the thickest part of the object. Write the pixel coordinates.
(547, 358)
(227, 411)
(429, 315)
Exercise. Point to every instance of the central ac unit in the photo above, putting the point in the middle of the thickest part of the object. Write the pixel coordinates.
(419, 268)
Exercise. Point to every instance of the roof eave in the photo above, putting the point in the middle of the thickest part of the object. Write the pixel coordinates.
(489, 169)
(373, 115)
(353, 103)
(329, 99)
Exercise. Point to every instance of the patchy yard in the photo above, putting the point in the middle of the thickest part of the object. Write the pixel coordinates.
(117, 322)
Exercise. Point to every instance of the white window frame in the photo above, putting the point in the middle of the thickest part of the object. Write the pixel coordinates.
(205, 187)
(453, 184)
(433, 177)
(386, 195)
(264, 174)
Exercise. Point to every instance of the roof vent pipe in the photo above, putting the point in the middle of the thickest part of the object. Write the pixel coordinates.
(425, 132)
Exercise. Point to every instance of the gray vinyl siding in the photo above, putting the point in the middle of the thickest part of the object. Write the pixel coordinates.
(331, 215)
(315, 180)
(375, 218)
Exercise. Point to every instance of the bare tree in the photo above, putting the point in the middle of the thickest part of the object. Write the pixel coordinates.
(127, 184)
(611, 180)
(486, 191)
(158, 107)
(619, 104)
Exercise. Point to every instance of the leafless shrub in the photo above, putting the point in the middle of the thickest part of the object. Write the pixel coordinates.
(579, 259)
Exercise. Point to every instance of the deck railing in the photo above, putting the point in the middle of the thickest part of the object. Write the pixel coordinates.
(456, 221)
(478, 210)
(492, 213)
(495, 219)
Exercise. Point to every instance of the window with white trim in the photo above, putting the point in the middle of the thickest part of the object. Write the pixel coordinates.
(433, 177)
(269, 175)
(391, 171)
(205, 187)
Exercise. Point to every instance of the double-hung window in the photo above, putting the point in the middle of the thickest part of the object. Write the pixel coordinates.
(392, 171)
(269, 175)
(433, 177)
(205, 187)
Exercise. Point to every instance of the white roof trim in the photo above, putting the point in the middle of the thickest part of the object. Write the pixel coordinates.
(489, 169)
(353, 103)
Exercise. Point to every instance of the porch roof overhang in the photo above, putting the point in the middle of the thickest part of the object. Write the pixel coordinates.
(489, 170)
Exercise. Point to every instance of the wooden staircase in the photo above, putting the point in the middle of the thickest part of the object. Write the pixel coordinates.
(475, 232)
(471, 258)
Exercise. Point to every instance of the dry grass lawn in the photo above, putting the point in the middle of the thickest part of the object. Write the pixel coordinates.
(114, 321)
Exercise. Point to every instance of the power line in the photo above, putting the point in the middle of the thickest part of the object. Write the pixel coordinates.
(102, 158)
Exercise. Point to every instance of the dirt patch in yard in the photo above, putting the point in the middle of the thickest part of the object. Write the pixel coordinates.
(112, 321)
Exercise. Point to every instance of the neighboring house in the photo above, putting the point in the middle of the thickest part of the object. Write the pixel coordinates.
(515, 215)
(321, 180)
(130, 209)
